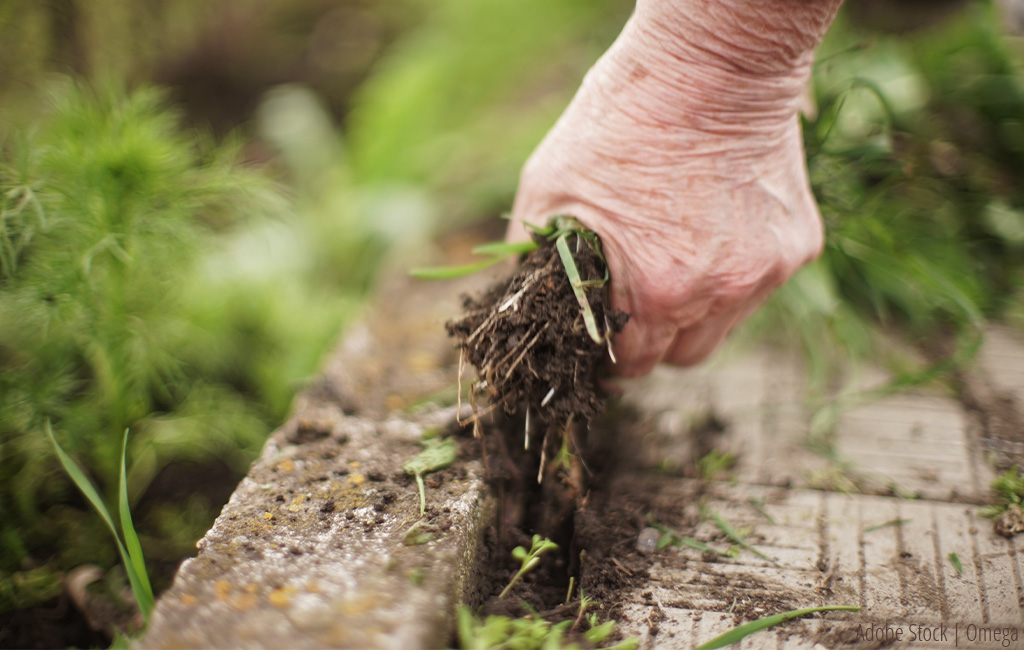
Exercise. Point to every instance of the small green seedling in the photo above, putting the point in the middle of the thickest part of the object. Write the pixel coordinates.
(598, 631)
(954, 559)
(505, 632)
(130, 549)
(418, 534)
(529, 559)
(585, 603)
(436, 456)
(527, 633)
(745, 630)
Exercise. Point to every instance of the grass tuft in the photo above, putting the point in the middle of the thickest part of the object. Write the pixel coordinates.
(127, 540)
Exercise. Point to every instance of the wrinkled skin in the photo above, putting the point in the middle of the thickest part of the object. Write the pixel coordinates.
(682, 150)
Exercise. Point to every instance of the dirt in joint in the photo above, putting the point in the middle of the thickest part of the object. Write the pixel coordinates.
(551, 457)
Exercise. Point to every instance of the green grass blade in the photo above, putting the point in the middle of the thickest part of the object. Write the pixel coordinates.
(506, 249)
(449, 272)
(136, 569)
(888, 524)
(544, 231)
(745, 630)
(731, 533)
(954, 559)
(83, 484)
(577, 288)
(701, 546)
(80, 480)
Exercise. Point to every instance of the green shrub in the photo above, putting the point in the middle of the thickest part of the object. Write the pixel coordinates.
(920, 196)
(118, 310)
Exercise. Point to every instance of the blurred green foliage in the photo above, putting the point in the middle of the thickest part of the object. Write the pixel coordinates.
(915, 160)
(122, 306)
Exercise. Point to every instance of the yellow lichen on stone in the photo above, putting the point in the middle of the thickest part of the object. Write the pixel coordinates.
(297, 504)
(221, 589)
(286, 465)
(356, 479)
(245, 602)
(281, 596)
(353, 464)
(188, 600)
(346, 496)
(268, 515)
(356, 606)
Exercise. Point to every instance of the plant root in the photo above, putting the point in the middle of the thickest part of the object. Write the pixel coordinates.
(528, 339)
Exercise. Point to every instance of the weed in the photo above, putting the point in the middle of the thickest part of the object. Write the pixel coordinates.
(736, 634)
(531, 632)
(585, 603)
(418, 534)
(496, 252)
(759, 506)
(888, 524)
(1008, 511)
(563, 227)
(670, 537)
(127, 540)
(735, 536)
(1009, 491)
(715, 463)
(438, 455)
(954, 559)
(558, 230)
(535, 341)
(528, 559)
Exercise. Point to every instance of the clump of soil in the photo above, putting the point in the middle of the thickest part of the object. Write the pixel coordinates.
(527, 337)
(1010, 522)
(538, 365)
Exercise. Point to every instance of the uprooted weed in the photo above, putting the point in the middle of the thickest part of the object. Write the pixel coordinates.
(528, 338)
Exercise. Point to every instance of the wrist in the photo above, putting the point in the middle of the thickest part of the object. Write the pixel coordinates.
(742, 61)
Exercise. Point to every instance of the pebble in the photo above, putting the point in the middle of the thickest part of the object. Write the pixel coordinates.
(647, 541)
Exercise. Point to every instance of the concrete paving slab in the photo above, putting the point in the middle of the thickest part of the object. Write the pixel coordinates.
(885, 554)
(323, 544)
(280, 570)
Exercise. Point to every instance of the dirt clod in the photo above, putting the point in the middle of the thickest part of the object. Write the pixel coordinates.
(527, 337)
(1010, 522)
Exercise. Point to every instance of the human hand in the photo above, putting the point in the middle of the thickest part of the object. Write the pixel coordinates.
(682, 150)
